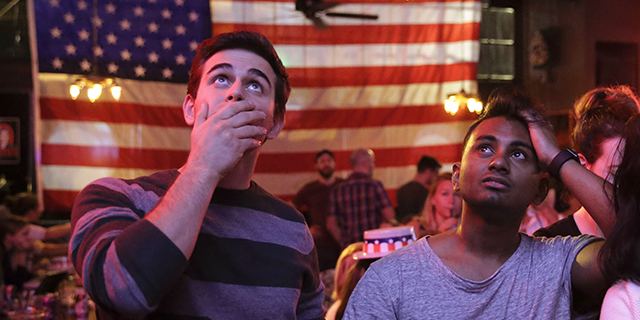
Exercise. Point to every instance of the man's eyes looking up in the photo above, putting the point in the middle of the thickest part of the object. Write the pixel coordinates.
(517, 154)
(224, 80)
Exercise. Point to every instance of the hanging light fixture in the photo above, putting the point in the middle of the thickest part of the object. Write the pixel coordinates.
(462, 100)
(95, 83)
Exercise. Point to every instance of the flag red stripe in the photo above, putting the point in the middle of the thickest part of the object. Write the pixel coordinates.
(59, 200)
(112, 157)
(112, 112)
(385, 75)
(60, 109)
(358, 34)
(152, 159)
(367, 118)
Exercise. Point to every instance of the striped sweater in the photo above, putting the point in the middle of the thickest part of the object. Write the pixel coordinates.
(254, 257)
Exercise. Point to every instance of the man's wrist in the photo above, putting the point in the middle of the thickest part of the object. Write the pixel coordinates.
(559, 160)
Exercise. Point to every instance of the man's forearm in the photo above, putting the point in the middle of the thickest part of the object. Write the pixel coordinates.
(55, 232)
(593, 193)
(180, 213)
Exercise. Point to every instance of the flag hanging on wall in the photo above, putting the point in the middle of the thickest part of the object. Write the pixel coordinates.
(375, 84)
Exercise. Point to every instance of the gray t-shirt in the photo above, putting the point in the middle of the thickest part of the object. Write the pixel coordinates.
(413, 283)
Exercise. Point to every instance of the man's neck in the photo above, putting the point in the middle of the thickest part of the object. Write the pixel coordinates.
(362, 170)
(421, 179)
(476, 249)
(239, 178)
(485, 239)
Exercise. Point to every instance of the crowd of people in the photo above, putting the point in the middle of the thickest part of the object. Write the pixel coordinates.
(480, 240)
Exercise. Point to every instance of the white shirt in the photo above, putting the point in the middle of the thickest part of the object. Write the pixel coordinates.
(622, 302)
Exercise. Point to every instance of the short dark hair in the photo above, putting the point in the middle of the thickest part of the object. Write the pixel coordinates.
(505, 102)
(21, 203)
(601, 114)
(244, 40)
(427, 162)
(323, 152)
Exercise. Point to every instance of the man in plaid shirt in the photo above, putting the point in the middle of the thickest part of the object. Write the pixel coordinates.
(360, 203)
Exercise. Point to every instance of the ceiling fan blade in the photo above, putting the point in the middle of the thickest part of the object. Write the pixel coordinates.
(317, 21)
(352, 15)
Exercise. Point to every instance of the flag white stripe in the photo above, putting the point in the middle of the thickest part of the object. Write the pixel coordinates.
(161, 94)
(368, 97)
(77, 177)
(172, 95)
(79, 133)
(283, 13)
(377, 55)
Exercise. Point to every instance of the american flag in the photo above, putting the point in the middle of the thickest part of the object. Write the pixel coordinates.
(358, 84)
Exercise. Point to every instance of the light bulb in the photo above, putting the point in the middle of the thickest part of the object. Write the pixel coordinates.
(94, 92)
(116, 91)
(474, 105)
(451, 106)
(74, 90)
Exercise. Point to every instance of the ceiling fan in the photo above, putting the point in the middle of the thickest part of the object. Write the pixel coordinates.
(315, 9)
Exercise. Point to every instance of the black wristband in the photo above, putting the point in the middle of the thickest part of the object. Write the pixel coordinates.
(557, 162)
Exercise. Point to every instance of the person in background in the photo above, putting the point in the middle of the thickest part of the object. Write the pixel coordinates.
(486, 268)
(620, 255)
(25, 241)
(313, 201)
(411, 196)
(361, 257)
(204, 241)
(442, 207)
(542, 215)
(600, 117)
(26, 205)
(360, 203)
(344, 263)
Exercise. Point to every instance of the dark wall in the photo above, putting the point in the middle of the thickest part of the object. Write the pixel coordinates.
(575, 27)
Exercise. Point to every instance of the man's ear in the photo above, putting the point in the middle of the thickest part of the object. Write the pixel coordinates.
(188, 109)
(276, 126)
(455, 176)
(543, 189)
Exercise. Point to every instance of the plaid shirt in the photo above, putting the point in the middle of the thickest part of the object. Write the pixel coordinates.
(357, 205)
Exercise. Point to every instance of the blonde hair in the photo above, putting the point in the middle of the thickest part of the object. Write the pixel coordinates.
(344, 263)
(429, 220)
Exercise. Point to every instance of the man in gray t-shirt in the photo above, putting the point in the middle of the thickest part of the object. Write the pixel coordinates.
(486, 269)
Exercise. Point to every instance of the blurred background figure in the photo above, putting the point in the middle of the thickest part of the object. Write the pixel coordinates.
(620, 255)
(542, 215)
(24, 242)
(442, 208)
(356, 259)
(412, 195)
(334, 285)
(313, 202)
(600, 117)
(360, 203)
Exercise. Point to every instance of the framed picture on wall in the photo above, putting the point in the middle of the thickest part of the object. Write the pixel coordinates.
(9, 141)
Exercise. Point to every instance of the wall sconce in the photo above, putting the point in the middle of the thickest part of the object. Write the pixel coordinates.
(461, 100)
(94, 85)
